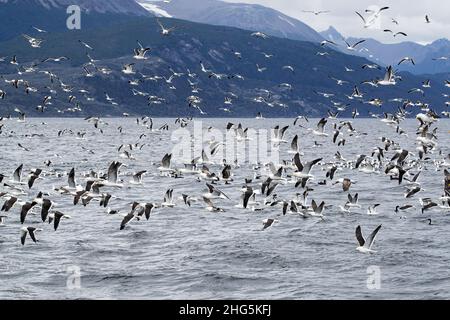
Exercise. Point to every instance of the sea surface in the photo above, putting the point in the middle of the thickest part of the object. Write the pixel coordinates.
(191, 253)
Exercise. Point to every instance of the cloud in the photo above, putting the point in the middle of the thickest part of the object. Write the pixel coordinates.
(411, 17)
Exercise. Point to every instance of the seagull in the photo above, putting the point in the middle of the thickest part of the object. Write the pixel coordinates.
(164, 31)
(353, 47)
(412, 191)
(353, 201)
(371, 66)
(365, 246)
(267, 223)
(145, 209)
(127, 219)
(407, 59)
(427, 204)
(372, 209)
(56, 218)
(33, 177)
(139, 53)
(400, 33)
(14, 61)
(39, 30)
(368, 23)
(316, 12)
(137, 177)
(34, 42)
(59, 59)
(9, 204)
(86, 45)
(214, 193)
(28, 230)
(260, 69)
(168, 199)
(259, 35)
(389, 78)
(165, 164)
(17, 175)
(290, 68)
(128, 68)
(303, 171)
(345, 182)
(25, 209)
(317, 211)
(320, 128)
(443, 58)
(112, 175)
(325, 42)
(403, 208)
(347, 69)
(294, 145)
(338, 81)
(377, 13)
(278, 134)
(210, 206)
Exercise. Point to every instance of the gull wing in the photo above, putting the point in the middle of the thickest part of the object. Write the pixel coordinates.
(71, 178)
(127, 219)
(314, 206)
(321, 124)
(364, 20)
(297, 162)
(371, 238)
(18, 173)
(166, 160)
(282, 132)
(112, 171)
(359, 236)
(309, 165)
(294, 143)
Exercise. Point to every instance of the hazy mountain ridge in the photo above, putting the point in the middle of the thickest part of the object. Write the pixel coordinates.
(391, 54)
(244, 16)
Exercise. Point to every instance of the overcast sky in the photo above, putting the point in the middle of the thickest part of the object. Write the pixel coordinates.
(409, 13)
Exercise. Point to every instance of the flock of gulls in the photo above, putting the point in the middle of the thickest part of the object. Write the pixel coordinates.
(260, 191)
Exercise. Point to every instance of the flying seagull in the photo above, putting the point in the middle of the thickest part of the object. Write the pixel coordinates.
(28, 231)
(365, 245)
(316, 12)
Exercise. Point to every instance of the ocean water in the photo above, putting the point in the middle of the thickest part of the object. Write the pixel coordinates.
(191, 253)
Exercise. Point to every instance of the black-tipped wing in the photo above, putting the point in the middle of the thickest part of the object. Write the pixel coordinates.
(297, 162)
(371, 238)
(129, 217)
(23, 236)
(57, 219)
(18, 173)
(46, 205)
(310, 164)
(71, 178)
(359, 236)
(31, 231)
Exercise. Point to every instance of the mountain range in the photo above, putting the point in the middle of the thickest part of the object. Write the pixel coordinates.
(240, 15)
(275, 23)
(231, 55)
(428, 58)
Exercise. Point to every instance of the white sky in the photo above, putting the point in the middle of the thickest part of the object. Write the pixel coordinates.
(409, 13)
